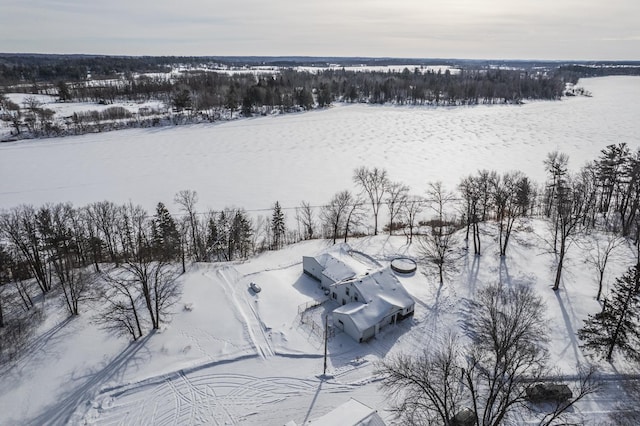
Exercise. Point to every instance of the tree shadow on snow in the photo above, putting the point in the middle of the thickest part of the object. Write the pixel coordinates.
(41, 350)
(62, 411)
(571, 333)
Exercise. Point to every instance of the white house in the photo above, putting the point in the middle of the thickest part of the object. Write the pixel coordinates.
(370, 299)
(330, 269)
(351, 413)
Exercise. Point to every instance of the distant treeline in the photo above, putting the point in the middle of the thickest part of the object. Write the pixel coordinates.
(202, 91)
(46, 68)
(602, 70)
(289, 88)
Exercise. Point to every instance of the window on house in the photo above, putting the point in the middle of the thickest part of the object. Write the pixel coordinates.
(355, 296)
(344, 302)
(333, 295)
(347, 290)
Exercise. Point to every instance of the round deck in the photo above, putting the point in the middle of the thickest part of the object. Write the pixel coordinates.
(404, 265)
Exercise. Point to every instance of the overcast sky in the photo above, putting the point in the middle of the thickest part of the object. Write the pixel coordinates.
(509, 29)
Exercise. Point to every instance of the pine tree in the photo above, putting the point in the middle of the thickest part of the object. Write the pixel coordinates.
(277, 226)
(165, 236)
(616, 326)
(212, 236)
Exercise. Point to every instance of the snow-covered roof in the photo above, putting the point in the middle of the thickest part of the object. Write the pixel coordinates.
(383, 295)
(353, 413)
(334, 268)
(382, 284)
(343, 267)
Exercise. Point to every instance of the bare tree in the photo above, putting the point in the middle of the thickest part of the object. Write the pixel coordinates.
(57, 227)
(600, 254)
(569, 212)
(157, 284)
(183, 232)
(511, 197)
(437, 245)
(5, 279)
(354, 216)
(426, 388)
(374, 183)
(397, 196)
(471, 194)
(334, 214)
(19, 226)
(304, 215)
(135, 231)
(187, 200)
(11, 113)
(508, 337)
(485, 181)
(556, 165)
(261, 235)
(77, 288)
(20, 276)
(411, 208)
(120, 314)
(105, 216)
(32, 105)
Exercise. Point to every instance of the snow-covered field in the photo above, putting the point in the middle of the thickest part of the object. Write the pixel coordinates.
(251, 163)
(230, 356)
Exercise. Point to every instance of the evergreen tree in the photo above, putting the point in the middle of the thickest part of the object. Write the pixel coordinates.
(64, 94)
(222, 242)
(165, 235)
(231, 100)
(324, 95)
(242, 232)
(610, 172)
(212, 236)
(277, 226)
(616, 326)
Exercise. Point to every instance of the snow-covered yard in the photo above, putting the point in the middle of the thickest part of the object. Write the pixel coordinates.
(231, 356)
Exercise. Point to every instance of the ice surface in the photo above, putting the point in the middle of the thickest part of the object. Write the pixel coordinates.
(251, 163)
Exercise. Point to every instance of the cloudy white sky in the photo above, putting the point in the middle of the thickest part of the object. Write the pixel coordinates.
(511, 29)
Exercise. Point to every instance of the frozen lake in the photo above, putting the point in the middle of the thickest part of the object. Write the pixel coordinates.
(251, 163)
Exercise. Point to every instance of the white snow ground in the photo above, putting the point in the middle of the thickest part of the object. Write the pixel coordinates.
(232, 357)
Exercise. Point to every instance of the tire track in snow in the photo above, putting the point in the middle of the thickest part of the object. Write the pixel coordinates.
(202, 397)
(252, 321)
(178, 398)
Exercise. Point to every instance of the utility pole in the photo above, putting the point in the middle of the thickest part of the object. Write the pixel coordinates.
(326, 337)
